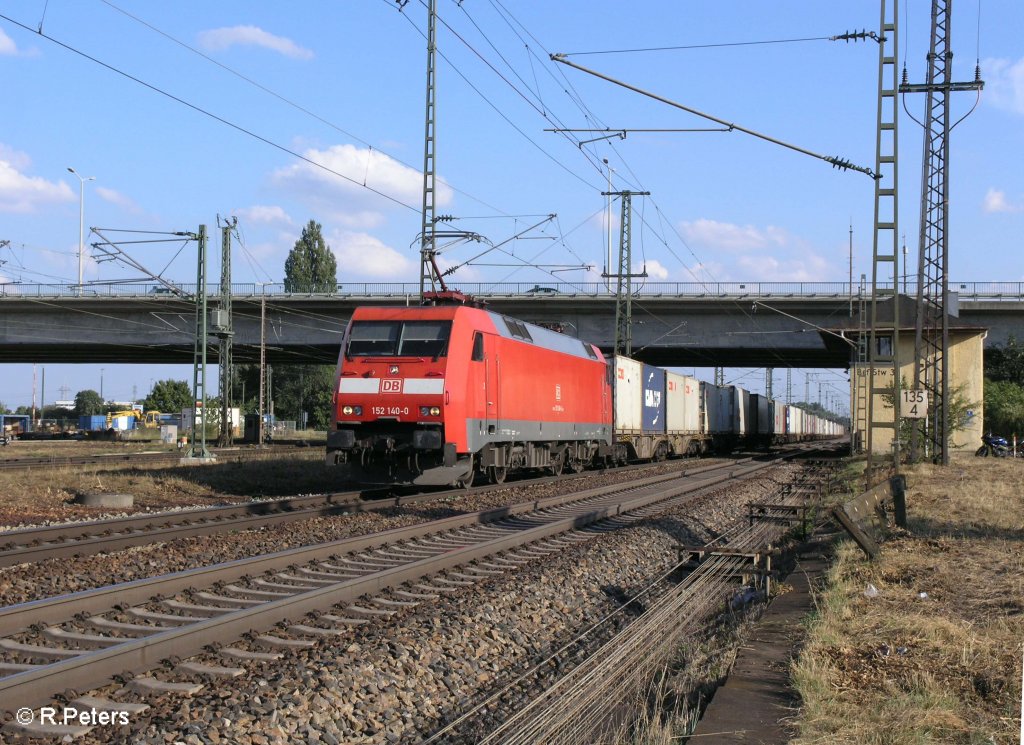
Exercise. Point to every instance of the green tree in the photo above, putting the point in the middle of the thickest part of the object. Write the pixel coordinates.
(169, 397)
(311, 266)
(88, 403)
(4, 409)
(1004, 407)
(1005, 362)
(298, 389)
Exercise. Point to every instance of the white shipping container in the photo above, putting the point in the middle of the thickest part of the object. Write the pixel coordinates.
(683, 399)
(796, 421)
(710, 399)
(742, 418)
(627, 384)
(779, 417)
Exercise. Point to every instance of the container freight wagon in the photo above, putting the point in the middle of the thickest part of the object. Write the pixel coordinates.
(641, 431)
(657, 413)
(685, 415)
(762, 422)
(438, 394)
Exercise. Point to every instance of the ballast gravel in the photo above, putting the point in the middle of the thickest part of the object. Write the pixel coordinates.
(26, 582)
(397, 680)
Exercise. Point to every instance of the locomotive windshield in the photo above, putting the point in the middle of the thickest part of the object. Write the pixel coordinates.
(399, 339)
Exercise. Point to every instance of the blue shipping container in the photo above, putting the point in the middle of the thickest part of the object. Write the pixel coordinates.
(653, 419)
(92, 422)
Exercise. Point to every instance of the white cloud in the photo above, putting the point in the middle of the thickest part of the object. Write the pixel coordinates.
(762, 268)
(362, 255)
(21, 193)
(264, 214)
(117, 198)
(995, 201)
(219, 39)
(654, 268)
(348, 202)
(7, 45)
(16, 158)
(724, 236)
(1004, 83)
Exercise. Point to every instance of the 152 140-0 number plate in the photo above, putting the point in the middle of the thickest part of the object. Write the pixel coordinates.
(390, 410)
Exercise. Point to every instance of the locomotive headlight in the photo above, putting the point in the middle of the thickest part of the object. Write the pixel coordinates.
(430, 411)
(347, 410)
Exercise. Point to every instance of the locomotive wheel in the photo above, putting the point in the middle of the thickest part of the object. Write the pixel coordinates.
(465, 482)
(498, 474)
(557, 464)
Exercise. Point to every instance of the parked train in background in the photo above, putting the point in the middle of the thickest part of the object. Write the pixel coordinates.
(442, 394)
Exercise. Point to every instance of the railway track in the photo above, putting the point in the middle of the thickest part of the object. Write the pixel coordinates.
(139, 458)
(80, 641)
(97, 536)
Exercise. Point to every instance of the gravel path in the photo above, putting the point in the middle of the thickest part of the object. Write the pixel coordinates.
(398, 680)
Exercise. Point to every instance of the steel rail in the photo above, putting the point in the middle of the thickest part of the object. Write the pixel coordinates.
(146, 457)
(533, 521)
(95, 536)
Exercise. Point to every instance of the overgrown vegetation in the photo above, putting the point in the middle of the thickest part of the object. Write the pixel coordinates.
(935, 655)
(1004, 388)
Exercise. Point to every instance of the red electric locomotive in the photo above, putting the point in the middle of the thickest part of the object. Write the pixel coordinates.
(438, 394)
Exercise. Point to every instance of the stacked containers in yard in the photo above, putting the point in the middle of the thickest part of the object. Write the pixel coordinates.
(626, 386)
(653, 400)
(683, 408)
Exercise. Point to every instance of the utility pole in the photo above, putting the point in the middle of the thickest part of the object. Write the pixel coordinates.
(769, 381)
(198, 447)
(223, 329)
(625, 275)
(789, 385)
(931, 332)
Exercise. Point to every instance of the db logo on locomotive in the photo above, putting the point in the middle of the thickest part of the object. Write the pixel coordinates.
(391, 385)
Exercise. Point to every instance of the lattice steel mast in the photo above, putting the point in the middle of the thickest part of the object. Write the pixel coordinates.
(198, 447)
(625, 275)
(883, 343)
(430, 277)
(931, 332)
(223, 329)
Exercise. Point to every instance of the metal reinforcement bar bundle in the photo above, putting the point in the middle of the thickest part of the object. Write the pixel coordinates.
(598, 701)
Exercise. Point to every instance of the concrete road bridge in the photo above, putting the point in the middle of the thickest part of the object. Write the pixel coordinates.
(733, 324)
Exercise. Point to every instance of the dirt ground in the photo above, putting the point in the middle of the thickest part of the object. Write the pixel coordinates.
(925, 644)
(48, 494)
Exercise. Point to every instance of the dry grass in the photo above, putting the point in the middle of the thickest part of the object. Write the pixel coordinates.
(903, 669)
(47, 494)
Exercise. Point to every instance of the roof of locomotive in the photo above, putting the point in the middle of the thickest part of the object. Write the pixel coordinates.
(503, 325)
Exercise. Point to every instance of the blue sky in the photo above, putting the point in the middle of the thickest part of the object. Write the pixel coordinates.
(724, 206)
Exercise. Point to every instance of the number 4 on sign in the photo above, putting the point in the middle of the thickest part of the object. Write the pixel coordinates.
(915, 404)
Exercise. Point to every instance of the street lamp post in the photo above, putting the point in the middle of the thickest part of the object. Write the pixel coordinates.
(81, 220)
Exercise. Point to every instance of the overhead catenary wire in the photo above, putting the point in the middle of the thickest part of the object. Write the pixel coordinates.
(211, 115)
(700, 46)
(286, 100)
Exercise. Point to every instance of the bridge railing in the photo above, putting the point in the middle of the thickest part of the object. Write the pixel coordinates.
(740, 290)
